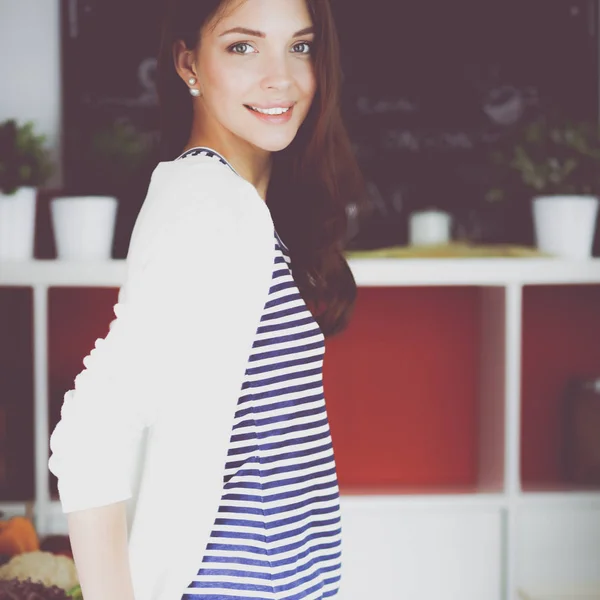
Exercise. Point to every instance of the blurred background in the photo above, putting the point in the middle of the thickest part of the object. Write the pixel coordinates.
(464, 398)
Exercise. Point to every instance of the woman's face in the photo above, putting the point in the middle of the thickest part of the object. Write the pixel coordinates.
(257, 59)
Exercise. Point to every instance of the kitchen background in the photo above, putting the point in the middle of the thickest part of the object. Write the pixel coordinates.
(449, 394)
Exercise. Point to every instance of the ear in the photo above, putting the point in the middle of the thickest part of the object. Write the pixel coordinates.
(183, 59)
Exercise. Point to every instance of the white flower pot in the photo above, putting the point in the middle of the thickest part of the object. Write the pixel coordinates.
(17, 224)
(84, 226)
(429, 227)
(565, 225)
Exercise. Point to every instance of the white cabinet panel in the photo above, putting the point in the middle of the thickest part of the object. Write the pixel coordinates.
(558, 547)
(407, 553)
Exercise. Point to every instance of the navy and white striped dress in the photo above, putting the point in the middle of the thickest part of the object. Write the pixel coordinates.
(277, 534)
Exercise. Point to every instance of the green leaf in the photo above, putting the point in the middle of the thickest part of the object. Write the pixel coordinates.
(548, 155)
(25, 160)
(75, 593)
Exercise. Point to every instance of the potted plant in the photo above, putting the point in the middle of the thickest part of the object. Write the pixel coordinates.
(84, 222)
(557, 164)
(25, 165)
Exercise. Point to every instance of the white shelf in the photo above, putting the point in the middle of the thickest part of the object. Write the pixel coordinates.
(11, 509)
(447, 504)
(110, 273)
(473, 271)
(428, 501)
(367, 272)
(560, 498)
(405, 501)
(419, 501)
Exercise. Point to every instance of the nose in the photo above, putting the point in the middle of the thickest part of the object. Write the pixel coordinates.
(277, 73)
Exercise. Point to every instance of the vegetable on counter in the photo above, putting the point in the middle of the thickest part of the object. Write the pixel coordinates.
(75, 593)
(42, 567)
(16, 589)
(18, 535)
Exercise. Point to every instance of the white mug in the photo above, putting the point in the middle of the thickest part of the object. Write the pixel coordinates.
(429, 227)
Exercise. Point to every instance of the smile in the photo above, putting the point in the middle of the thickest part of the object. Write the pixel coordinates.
(278, 115)
(270, 111)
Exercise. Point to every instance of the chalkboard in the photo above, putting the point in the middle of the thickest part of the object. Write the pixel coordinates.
(430, 87)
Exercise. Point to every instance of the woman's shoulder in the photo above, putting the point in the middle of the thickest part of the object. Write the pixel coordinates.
(201, 188)
(196, 178)
(198, 198)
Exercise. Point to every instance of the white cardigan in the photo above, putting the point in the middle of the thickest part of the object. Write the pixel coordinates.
(150, 416)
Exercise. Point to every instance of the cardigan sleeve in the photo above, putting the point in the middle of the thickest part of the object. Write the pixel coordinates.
(199, 253)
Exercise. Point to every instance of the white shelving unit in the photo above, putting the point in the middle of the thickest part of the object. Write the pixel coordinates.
(482, 544)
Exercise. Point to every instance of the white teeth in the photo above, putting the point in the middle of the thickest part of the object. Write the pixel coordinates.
(270, 111)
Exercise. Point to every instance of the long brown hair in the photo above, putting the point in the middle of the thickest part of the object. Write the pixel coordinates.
(313, 181)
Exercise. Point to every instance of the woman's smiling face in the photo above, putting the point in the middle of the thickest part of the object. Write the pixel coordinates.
(255, 71)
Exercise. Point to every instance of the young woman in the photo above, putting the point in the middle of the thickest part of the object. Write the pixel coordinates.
(194, 456)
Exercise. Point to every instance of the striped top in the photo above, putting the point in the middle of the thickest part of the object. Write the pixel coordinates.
(277, 534)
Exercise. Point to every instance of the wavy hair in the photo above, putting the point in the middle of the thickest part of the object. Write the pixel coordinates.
(314, 181)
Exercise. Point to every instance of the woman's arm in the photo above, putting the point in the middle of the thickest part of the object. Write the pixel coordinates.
(99, 545)
(202, 255)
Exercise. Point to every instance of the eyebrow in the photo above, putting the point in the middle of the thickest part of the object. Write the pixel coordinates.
(261, 34)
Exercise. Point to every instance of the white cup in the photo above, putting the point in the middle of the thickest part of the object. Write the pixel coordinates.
(429, 227)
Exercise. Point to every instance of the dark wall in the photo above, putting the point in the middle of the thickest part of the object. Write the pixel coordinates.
(430, 86)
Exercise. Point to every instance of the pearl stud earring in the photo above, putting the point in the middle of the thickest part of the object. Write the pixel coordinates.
(193, 91)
